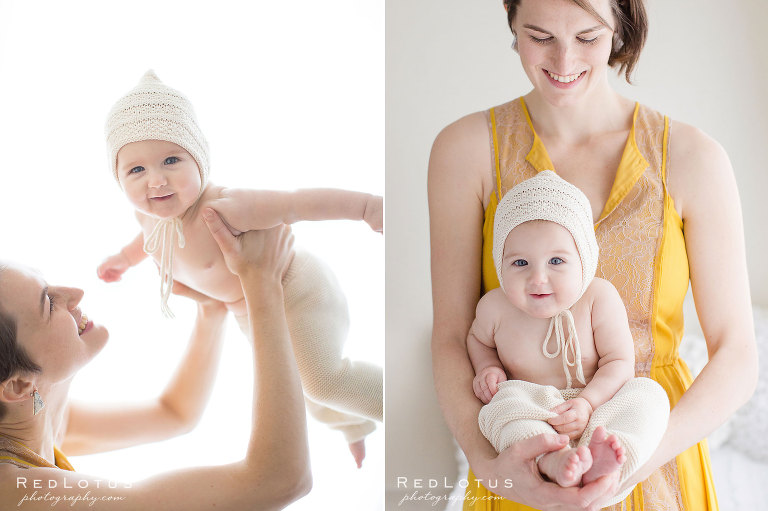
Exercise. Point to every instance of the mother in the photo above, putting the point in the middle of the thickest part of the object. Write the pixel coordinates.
(46, 339)
(666, 210)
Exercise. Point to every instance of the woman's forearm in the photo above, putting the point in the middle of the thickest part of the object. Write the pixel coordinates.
(714, 395)
(277, 451)
(186, 395)
(453, 376)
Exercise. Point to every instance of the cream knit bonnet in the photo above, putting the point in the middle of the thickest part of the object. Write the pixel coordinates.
(547, 196)
(154, 111)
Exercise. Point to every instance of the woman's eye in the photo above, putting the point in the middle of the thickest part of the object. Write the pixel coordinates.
(520, 262)
(170, 160)
(50, 298)
(556, 260)
(541, 40)
(136, 170)
(587, 41)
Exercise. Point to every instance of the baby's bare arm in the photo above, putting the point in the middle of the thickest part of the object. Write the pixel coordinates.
(481, 345)
(246, 210)
(613, 342)
(112, 268)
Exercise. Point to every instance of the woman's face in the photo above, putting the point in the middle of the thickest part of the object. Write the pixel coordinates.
(563, 49)
(50, 326)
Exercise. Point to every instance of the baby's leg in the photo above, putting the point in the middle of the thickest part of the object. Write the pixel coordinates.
(318, 321)
(566, 466)
(607, 455)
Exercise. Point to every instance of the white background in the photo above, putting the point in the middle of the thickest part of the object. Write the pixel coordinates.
(705, 63)
(289, 94)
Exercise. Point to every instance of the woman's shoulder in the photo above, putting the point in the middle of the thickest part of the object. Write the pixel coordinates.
(477, 124)
(696, 161)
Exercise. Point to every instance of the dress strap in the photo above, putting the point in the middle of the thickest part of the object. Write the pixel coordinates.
(496, 153)
(165, 235)
(564, 346)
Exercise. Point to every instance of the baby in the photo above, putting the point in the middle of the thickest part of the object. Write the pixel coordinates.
(159, 157)
(550, 317)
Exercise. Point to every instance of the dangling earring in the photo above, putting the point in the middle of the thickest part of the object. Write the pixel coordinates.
(37, 402)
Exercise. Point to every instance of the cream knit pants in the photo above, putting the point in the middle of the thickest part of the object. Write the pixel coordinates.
(637, 414)
(338, 392)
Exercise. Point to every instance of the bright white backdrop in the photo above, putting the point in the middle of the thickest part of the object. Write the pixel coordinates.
(289, 94)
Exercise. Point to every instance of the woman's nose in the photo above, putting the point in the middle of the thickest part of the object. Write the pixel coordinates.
(72, 296)
(563, 58)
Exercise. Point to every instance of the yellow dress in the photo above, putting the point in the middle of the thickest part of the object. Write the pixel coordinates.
(18, 454)
(642, 252)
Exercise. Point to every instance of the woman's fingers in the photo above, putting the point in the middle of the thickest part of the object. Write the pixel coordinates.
(219, 231)
(599, 490)
(540, 444)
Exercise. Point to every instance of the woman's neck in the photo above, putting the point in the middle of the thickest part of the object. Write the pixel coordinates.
(597, 113)
(38, 432)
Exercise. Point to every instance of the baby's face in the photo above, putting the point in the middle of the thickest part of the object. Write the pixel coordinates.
(541, 268)
(160, 178)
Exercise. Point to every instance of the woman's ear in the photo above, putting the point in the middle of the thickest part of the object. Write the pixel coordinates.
(16, 389)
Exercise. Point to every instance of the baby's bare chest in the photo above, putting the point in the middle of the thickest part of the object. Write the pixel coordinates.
(520, 344)
(200, 263)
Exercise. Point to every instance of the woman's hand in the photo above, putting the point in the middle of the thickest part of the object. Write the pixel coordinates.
(268, 252)
(517, 478)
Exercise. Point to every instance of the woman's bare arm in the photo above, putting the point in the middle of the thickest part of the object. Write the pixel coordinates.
(98, 428)
(275, 470)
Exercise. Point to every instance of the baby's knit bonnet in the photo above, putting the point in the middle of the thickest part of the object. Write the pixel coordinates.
(547, 196)
(154, 111)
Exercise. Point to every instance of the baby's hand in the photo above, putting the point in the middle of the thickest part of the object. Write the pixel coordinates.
(113, 267)
(572, 417)
(486, 383)
(374, 213)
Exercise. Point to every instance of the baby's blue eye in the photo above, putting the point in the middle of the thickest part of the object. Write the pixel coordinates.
(170, 160)
(136, 170)
(520, 262)
(556, 260)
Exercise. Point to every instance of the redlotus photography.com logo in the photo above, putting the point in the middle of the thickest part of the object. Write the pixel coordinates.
(75, 492)
(435, 491)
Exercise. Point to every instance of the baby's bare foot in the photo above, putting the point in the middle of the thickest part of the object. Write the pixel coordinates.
(566, 466)
(358, 451)
(607, 455)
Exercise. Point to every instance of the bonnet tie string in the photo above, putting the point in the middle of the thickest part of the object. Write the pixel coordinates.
(570, 345)
(165, 235)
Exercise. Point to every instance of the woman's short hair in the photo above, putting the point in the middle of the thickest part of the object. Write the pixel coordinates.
(629, 36)
(13, 358)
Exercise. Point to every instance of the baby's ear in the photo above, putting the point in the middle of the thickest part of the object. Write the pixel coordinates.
(16, 389)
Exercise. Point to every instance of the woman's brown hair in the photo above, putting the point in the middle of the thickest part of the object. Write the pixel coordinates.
(13, 359)
(629, 36)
